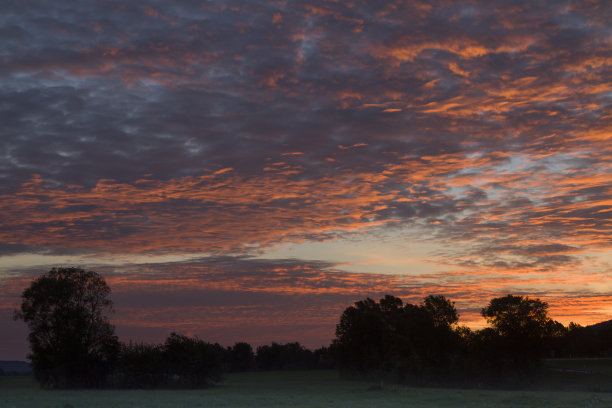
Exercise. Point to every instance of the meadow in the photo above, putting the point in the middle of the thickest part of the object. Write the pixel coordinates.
(568, 383)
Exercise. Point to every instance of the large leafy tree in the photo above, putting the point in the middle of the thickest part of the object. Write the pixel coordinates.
(361, 335)
(523, 327)
(517, 316)
(71, 340)
(390, 337)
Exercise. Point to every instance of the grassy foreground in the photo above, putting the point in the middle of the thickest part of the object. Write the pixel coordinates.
(289, 389)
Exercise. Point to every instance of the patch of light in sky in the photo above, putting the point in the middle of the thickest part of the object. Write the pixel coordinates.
(34, 260)
(599, 261)
(556, 162)
(516, 163)
(458, 191)
(86, 261)
(562, 162)
(369, 254)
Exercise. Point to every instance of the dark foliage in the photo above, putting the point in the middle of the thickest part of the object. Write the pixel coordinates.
(192, 362)
(486, 362)
(324, 359)
(421, 344)
(240, 357)
(591, 341)
(181, 362)
(441, 310)
(521, 330)
(290, 356)
(141, 366)
(71, 340)
(73, 344)
(407, 342)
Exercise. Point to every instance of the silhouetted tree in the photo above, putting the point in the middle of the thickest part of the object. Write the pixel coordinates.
(71, 340)
(359, 345)
(555, 339)
(140, 366)
(191, 362)
(574, 341)
(485, 362)
(442, 310)
(602, 335)
(589, 341)
(422, 344)
(523, 326)
(409, 342)
(180, 362)
(240, 357)
(323, 358)
(290, 356)
(517, 315)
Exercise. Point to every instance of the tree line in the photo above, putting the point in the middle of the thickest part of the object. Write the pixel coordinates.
(188, 362)
(424, 345)
(73, 344)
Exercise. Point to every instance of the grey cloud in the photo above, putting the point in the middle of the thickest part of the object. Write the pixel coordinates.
(105, 90)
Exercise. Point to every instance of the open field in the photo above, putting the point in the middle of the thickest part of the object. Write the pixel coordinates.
(576, 375)
(292, 389)
(584, 365)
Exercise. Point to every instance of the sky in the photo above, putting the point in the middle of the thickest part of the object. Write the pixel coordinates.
(246, 170)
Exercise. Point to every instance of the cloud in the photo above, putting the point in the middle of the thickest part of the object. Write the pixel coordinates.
(159, 128)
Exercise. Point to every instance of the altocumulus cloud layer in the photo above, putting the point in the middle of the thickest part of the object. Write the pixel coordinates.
(226, 128)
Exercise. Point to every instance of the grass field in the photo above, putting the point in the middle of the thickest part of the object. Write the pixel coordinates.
(577, 374)
(305, 389)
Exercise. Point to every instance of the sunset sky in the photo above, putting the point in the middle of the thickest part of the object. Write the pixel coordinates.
(245, 170)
